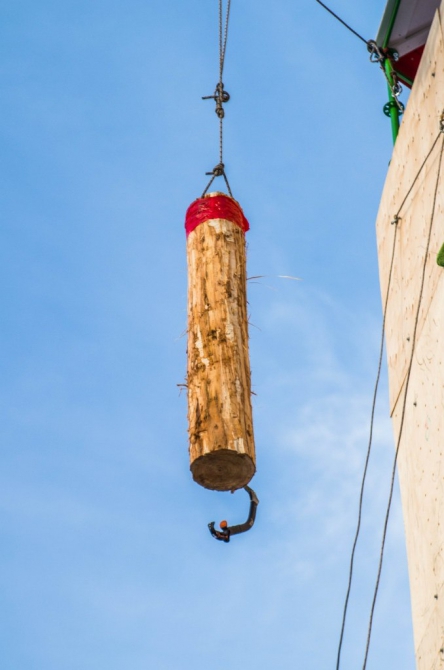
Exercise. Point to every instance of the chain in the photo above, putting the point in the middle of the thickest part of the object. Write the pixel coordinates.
(220, 96)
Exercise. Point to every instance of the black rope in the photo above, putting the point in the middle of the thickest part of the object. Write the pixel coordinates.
(381, 350)
(377, 55)
(423, 165)
(220, 96)
(404, 405)
(369, 449)
(343, 22)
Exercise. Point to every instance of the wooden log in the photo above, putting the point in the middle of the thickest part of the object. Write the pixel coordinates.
(222, 453)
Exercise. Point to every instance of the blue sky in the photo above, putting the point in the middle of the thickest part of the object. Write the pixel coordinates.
(106, 560)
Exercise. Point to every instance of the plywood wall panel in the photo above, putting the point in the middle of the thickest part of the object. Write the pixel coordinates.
(421, 453)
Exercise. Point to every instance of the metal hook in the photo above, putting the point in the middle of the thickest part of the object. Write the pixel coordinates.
(227, 531)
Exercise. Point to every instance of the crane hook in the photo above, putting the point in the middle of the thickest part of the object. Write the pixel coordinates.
(227, 531)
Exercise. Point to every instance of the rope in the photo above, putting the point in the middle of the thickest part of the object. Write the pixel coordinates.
(223, 44)
(343, 22)
(369, 449)
(422, 166)
(372, 417)
(404, 405)
(377, 55)
(220, 96)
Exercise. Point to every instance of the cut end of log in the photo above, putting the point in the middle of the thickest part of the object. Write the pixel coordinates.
(223, 470)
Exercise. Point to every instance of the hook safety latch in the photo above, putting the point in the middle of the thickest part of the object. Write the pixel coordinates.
(227, 531)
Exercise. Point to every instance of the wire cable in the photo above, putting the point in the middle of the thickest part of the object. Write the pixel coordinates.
(221, 96)
(343, 22)
(421, 168)
(223, 36)
(369, 449)
(404, 405)
(377, 55)
(223, 44)
(372, 417)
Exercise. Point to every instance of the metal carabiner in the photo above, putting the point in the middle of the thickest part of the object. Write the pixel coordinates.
(227, 531)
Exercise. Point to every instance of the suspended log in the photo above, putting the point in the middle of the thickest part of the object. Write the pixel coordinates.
(222, 453)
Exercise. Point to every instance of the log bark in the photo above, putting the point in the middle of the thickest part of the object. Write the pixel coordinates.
(222, 452)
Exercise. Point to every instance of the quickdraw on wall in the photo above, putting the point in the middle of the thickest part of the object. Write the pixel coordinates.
(221, 441)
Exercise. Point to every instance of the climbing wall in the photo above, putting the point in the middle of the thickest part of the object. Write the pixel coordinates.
(415, 323)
